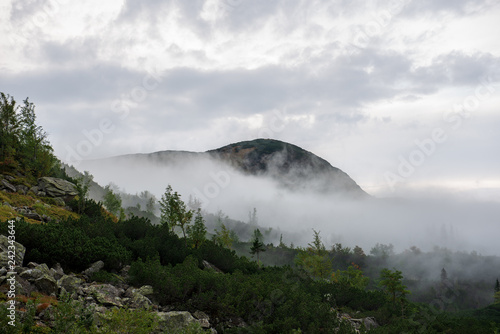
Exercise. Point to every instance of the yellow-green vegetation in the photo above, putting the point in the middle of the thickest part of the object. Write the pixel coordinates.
(37, 203)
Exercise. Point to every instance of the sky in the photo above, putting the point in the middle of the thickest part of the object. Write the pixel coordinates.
(402, 95)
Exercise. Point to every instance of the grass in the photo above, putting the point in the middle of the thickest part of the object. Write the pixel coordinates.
(41, 207)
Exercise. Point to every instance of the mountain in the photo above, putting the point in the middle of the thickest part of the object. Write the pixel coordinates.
(290, 166)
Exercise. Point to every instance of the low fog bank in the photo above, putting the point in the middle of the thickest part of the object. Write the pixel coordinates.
(422, 221)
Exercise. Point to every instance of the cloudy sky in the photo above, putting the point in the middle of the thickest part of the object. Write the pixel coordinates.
(402, 95)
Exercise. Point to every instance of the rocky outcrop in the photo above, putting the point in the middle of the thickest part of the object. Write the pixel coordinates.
(368, 322)
(20, 250)
(7, 186)
(99, 296)
(55, 187)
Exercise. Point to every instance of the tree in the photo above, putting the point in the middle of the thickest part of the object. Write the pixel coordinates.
(34, 141)
(197, 232)
(315, 259)
(9, 130)
(497, 286)
(257, 245)
(281, 245)
(352, 277)
(444, 275)
(252, 217)
(392, 282)
(174, 212)
(223, 236)
(82, 188)
(112, 201)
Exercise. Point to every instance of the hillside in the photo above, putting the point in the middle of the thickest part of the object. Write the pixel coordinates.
(294, 167)
(287, 166)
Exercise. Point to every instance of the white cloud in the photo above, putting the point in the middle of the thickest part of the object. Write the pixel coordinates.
(355, 83)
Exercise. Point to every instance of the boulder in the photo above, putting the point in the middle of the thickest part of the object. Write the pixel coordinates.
(175, 320)
(94, 267)
(28, 213)
(146, 290)
(59, 201)
(46, 284)
(6, 185)
(138, 300)
(69, 283)
(22, 189)
(106, 294)
(4, 252)
(203, 319)
(55, 187)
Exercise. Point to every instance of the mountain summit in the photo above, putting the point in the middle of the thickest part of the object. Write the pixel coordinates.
(289, 166)
(292, 166)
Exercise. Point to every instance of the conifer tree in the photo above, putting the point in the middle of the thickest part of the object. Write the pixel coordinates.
(257, 245)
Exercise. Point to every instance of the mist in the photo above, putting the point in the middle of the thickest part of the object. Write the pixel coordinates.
(425, 219)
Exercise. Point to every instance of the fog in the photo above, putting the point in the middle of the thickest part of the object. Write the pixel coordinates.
(424, 219)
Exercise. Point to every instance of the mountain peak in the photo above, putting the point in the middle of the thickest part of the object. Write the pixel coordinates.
(292, 166)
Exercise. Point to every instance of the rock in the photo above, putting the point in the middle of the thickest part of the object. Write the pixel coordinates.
(146, 290)
(28, 213)
(69, 283)
(58, 271)
(203, 319)
(6, 185)
(94, 267)
(59, 201)
(207, 265)
(175, 320)
(22, 189)
(34, 190)
(55, 187)
(31, 274)
(138, 301)
(46, 284)
(4, 252)
(370, 323)
(106, 294)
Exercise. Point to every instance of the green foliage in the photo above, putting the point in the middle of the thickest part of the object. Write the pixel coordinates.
(223, 236)
(257, 246)
(197, 232)
(174, 211)
(119, 320)
(112, 201)
(82, 188)
(315, 259)
(392, 282)
(104, 276)
(72, 316)
(352, 277)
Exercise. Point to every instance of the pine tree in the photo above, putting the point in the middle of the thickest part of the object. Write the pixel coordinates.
(197, 232)
(82, 188)
(444, 275)
(257, 245)
(392, 282)
(497, 286)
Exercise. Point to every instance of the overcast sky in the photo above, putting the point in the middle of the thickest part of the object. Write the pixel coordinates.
(358, 83)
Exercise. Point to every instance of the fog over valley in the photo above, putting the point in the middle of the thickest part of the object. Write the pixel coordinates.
(423, 219)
